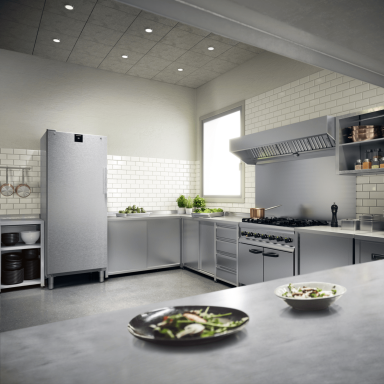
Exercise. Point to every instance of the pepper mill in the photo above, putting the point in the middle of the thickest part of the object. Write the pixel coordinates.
(334, 209)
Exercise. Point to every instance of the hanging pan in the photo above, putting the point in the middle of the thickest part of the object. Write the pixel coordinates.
(23, 190)
(7, 189)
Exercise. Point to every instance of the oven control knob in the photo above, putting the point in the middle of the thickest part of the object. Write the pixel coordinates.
(271, 237)
(256, 235)
(279, 238)
(288, 240)
(244, 233)
(264, 236)
(250, 234)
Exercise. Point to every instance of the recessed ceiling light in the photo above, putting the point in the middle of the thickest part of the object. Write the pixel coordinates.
(56, 40)
(211, 48)
(69, 7)
(124, 56)
(148, 30)
(181, 69)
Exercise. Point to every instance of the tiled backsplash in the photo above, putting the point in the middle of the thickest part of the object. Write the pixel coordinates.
(370, 194)
(154, 184)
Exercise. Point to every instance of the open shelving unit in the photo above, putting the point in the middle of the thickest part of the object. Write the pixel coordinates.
(19, 225)
(348, 152)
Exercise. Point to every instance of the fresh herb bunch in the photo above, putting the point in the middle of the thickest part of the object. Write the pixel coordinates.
(189, 202)
(199, 202)
(181, 201)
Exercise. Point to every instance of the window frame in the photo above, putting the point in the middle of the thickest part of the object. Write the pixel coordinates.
(240, 106)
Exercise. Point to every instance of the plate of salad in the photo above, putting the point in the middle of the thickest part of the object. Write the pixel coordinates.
(187, 325)
(311, 295)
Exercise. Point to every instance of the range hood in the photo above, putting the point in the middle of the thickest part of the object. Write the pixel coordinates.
(303, 140)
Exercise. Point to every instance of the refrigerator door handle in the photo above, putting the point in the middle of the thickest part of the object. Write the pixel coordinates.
(105, 172)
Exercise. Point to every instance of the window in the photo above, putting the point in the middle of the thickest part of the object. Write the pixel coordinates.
(222, 171)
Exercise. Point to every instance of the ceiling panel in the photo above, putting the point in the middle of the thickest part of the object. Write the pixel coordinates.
(82, 8)
(51, 52)
(61, 24)
(20, 13)
(100, 34)
(181, 39)
(81, 58)
(111, 18)
(97, 33)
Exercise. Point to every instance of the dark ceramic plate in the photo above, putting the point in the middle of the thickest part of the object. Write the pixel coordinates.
(140, 326)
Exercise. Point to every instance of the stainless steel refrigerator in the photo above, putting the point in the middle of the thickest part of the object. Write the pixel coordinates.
(74, 203)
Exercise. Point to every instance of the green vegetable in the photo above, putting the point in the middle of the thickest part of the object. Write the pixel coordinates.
(197, 210)
(313, 295)
(285, 294)
(334, 291)
(189, 202)
(133, 207)
(199, 202)
(181, 201)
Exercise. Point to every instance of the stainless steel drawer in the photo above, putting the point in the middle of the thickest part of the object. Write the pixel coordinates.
(226, 233)
(226, 248)
(226, 275)
(226, 262)
(371, 251)
(277, 264)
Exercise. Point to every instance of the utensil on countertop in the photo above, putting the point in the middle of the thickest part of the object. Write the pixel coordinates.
(259, 213)
(7, 189)
(334, 209)
(350, 224)
(23, 190)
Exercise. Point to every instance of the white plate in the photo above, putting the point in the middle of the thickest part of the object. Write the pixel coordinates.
(312, 304)
(121, 214)
(139, 214)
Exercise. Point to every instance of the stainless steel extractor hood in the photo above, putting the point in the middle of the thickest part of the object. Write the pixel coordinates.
(303, 140)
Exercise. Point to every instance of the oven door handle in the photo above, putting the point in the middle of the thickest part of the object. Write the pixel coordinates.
(376, 256)
(271, 254)
(255, 251)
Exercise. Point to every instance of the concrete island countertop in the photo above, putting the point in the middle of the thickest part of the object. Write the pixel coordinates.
(343, 344)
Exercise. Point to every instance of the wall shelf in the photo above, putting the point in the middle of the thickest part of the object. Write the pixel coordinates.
(20, 246)
(373, 141)
(362, 172)
(25, 283)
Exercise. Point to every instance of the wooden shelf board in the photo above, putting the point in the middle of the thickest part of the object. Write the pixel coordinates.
(20, 246)
(23, 284)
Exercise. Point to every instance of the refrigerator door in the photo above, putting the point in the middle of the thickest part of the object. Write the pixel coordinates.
(76, 202)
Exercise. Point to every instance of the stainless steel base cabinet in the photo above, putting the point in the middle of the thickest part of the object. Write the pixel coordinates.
(251, 264)
(207, 247)
(319, 252)
(278, 264)
(127, 246)
(370, 251)
(191, 243)
(163, 242)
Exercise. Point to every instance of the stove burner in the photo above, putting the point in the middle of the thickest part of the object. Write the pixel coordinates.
(285, 222)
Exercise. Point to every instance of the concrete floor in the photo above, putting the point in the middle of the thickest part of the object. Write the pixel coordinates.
(82, 295)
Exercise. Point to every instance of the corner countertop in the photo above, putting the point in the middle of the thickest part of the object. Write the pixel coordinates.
(218, 219)
(343, 344)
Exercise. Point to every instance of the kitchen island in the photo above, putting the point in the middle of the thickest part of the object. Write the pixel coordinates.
(343, 344)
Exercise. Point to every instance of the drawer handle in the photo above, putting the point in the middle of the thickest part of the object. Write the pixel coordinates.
(255, 251)
(271, 254)
(376, 256)
(225, 269)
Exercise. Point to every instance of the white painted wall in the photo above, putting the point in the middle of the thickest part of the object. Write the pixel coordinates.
(142, 118)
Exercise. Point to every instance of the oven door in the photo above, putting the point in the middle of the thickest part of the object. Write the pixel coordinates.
(250, 264)
(278, 264)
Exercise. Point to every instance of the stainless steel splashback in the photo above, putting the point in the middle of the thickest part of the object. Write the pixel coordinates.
(306, 189)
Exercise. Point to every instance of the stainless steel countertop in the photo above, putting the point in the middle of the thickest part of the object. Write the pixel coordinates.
(344, 344)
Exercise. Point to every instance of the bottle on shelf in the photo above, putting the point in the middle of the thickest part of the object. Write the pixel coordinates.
(382, 162)
(367, 163)
(358, 165)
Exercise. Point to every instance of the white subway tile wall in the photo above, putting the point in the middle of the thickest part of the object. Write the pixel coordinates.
(20, 158)
(153, 184)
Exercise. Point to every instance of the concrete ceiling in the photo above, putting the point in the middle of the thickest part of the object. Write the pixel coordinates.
(96, 33)
(344, 36)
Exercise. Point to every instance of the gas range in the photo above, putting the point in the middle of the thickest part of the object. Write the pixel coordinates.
(274, 231)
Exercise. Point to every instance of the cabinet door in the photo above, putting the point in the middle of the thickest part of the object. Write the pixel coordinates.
(250, 264)
(207, 246)
(191, 243)
(277, 264)
(371, 251)
(127, 245)
(320, 252)
(163, 242)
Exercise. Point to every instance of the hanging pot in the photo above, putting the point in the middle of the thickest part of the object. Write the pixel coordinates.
(23, 190)
(7, 189)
